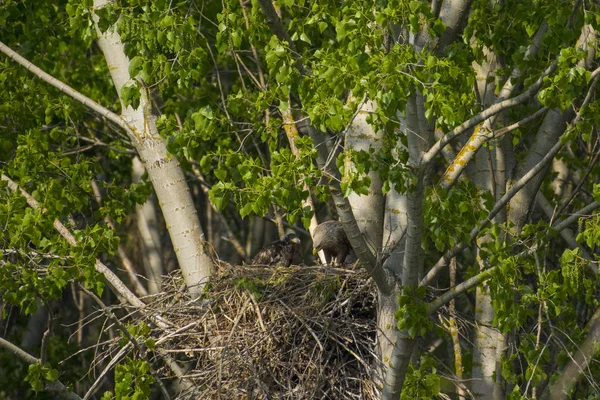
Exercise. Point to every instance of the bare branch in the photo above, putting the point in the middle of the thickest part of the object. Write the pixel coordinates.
(56, 387)
(132, 340)
(125, 260)
(116, 285)
(520, 123)
(443, 261)
(577, 365)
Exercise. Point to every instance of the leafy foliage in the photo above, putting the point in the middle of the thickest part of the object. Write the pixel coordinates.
(39, 375)
(132, 381)
(451, 215)
(220, 81)
(412, 314)
(422, 382)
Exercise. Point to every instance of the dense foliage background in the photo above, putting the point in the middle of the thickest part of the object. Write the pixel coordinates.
(457, 141)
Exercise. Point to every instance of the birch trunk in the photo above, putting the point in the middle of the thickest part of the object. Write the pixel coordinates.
(368, 209)
(489, 176)
(402, 345)
(163, 169)
(553, 126)
(148, 230)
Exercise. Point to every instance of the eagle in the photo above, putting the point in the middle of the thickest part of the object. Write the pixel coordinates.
(331, 238)
(278, 253)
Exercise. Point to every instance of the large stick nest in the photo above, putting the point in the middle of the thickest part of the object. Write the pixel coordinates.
(274, 333)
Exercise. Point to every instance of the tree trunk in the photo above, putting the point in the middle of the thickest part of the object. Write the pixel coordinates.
(486, 336)
(395, 347)
(148, 231)
(367, 208)
(163, 169)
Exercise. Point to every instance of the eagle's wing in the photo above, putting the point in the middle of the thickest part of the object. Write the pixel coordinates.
(271, 255)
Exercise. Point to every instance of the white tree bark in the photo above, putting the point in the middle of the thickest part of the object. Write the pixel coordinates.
(487, 177)
(552, 128)
(453, 13)
(368, 209)
(148, 230)
(419, 137)
(578, 364)
(389, 338)
(486, 336)
(163, 169)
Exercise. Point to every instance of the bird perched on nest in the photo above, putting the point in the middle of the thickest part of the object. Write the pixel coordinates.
(331, 238)
(278, 253)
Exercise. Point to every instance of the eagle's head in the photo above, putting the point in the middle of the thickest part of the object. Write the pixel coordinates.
(291, 238)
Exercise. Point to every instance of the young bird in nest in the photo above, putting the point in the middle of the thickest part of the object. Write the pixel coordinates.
(278, 253)
(331, 238)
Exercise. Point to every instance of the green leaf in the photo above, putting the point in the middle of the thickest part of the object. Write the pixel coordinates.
(305, 38)
(221, 174)
(51, 374)
(130, 94)
(135, 66)
(236, 37)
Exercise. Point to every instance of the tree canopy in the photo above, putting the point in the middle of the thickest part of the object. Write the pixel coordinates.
(455, 140)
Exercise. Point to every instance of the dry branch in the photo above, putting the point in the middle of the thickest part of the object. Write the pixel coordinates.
(272, 333)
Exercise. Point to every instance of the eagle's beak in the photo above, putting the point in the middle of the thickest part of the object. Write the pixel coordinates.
(296, 240)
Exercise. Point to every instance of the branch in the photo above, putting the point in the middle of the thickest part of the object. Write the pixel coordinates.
(476, 141)
(443, 261)
(56, 387)
(115, 284)
(486, 274)
(113, 361)
(346, 215)
(19, 352)
(460, 288)
(342, 204)
(566, 234)
(132, 340)
(574, 217)
(125, 260)
(68, 90)
(292, 133)
(231, 238)
(277, 28)
(487, 113)
(519, 124)
(577, 365)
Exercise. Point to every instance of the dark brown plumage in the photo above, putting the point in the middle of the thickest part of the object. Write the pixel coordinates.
(278, 253)
(331, 238)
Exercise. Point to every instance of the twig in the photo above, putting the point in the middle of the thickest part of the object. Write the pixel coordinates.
(485, 114)
(113, 361)
(68, 90)
(57, 386)
(520, 123)
(486, 274)
(116, 285)
(303, 324)
(125, 260)
(131, 339)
